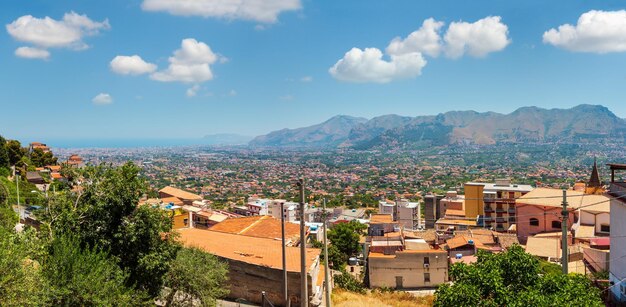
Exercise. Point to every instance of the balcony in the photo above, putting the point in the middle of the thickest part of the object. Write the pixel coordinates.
(511, 220)
(511, 210)
(500, 220)
(500, 210)
(488, 209)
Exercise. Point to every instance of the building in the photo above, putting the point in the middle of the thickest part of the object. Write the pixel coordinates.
(289, 212)
(75, 161)
(408, 269)
(452, 205)
(262, 226)
(408, 214)
(431, 210)
(36, 145)
(255, 265)
(493, 202)
(617, 267)
(387, 207)
(539, 211)
(184, 196)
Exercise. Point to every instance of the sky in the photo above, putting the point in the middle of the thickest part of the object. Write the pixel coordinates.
(124, 69)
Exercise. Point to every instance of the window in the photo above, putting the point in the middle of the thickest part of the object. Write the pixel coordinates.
(426, 277)
(556, 224)
(534, 222)
(426, 260)
(186, 221)
(605, 228)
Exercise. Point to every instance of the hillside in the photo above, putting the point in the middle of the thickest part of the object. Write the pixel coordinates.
(580, 124)
(329, 133)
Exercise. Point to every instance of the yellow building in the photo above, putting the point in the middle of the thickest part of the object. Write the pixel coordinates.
(474, 203)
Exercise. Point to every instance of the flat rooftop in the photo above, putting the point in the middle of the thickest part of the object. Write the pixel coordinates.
(575, 199)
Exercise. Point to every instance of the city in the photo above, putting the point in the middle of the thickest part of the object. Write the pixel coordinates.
(311, 153)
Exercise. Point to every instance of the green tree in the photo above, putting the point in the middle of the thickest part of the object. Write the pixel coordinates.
(40, 158)
(4, 154)
(513, 278)
(345, 238)
(195, 276)
(103, 213)
(15, 151)
(85, 277)
(21, 283)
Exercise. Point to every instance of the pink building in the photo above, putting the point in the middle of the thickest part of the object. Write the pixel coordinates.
(539, 211)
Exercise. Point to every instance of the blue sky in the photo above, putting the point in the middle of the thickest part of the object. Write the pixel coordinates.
(251, 69)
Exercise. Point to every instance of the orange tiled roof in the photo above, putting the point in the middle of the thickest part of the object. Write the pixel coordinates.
(381, 218)
(253, 250)
(264, 226)
(180, 193)
(174, 200)
(459, 241)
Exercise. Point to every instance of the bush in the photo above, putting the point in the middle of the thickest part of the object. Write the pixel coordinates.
(348, 282)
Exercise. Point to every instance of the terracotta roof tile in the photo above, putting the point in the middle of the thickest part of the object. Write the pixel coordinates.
(180, 193)
(253, 250)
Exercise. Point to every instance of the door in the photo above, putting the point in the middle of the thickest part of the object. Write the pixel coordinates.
(399, 282)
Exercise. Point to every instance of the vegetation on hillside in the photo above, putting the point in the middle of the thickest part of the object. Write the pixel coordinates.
(97, 247)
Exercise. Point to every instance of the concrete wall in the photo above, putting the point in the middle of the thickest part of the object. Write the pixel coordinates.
(618, 244)
(598, 219)
(248, 281)
(545, 214)
(597, 258)
(410, 266)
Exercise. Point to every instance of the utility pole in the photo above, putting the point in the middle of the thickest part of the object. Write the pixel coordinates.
(17, 184)
(304, 296)
(282, 231)
(564, 251)
(327, 268)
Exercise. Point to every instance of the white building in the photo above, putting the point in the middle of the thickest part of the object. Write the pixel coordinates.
(617, 266)
(290, 209)
(408, 214)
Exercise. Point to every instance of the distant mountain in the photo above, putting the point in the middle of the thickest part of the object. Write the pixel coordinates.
(329, 133)
(226, 139)
(580, 124)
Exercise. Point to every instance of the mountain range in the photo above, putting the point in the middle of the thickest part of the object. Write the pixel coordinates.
(580, 124)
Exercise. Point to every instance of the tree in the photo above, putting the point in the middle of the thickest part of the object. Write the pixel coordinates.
(4, 154)
(104, 214)
(21, 283)
(85, 277)
(345, 238)
(15, 151)
(195, 276)
(41, 158)
(513, 278)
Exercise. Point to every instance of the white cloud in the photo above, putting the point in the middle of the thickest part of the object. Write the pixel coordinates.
(265, 11)
(477, 39)
(232, 93)
(193, 91)
(425, 40)
(32, 53)
(306, 79)
(191, 63)
(102, 99)
(287, 97)
(596, 31)
(369, 66)
(47, 33)
(131, 65)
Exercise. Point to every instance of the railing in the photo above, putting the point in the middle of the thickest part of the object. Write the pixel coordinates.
(265, 302)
